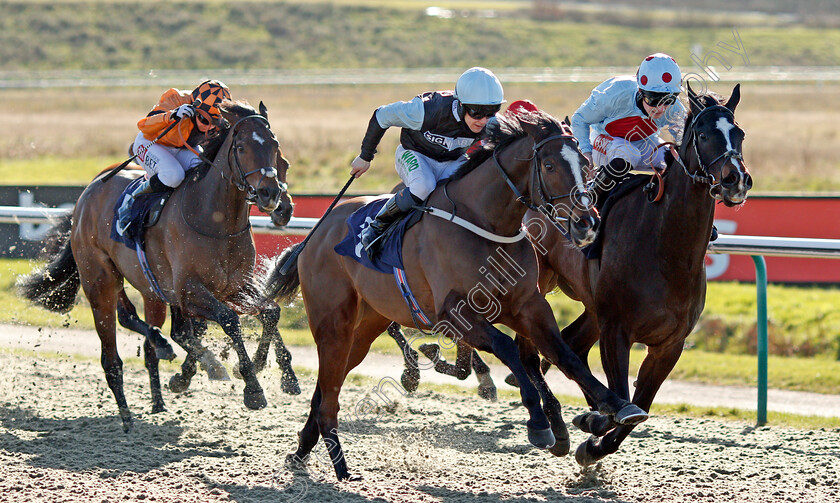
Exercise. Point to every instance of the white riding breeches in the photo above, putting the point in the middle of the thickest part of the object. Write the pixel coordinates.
(641, 154)
(421, 173)
(169, 163)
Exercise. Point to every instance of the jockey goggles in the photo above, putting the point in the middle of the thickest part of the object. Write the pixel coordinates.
(479, 112)
(655, 99)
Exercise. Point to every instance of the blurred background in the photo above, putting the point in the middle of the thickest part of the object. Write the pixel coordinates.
(76, 76)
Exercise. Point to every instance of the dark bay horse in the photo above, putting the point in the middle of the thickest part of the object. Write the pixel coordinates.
(651, 284)
(201, 251)
(535, 162)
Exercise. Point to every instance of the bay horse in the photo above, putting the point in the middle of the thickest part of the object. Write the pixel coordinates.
(534, 161)
(650, 287)
(201, 251)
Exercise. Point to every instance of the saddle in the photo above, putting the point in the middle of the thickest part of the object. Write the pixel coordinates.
(145, 212)
(390, 247)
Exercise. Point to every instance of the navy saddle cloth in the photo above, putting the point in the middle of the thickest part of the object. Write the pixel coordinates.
(389, 254)
(143, 205)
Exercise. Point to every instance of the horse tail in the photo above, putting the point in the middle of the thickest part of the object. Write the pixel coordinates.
(281, 286)
(54, 287)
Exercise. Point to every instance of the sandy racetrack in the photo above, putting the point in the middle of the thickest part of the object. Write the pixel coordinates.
(62, 441)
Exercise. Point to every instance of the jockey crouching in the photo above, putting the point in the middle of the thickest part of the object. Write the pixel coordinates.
(437, 128)
(166, 160)
(618, 125)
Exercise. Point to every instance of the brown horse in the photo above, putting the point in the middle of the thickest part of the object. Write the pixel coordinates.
(201, 251)
(651, 284)
(348, 306)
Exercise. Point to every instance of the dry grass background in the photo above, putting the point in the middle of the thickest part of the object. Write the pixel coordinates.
(66, 136)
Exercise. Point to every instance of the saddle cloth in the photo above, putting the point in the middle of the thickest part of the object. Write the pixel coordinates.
(389, 254)
(140, 210)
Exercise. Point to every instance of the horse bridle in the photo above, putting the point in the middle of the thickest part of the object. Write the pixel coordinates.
(537, 179)
(267, 172)
(707, 177)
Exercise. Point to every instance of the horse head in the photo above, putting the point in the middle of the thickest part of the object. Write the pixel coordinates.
(716, 140)
(253, 155)
(557, 178)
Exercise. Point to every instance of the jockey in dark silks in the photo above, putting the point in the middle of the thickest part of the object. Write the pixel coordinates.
(437, 129)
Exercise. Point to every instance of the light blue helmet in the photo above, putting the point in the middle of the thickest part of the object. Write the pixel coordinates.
(478, 86)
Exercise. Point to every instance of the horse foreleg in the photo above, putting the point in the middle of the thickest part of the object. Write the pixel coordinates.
(551, 406)
(461, 369)
(254, 397)
(536, 321)
(269, 318)
(486, 337)
(486, 386)
(411, 373)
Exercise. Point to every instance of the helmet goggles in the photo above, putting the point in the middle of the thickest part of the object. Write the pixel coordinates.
(479, 112)
(656, 99)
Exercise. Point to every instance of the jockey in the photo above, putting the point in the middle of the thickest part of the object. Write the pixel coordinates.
(437, 128)
(617, 127)
(167, 160)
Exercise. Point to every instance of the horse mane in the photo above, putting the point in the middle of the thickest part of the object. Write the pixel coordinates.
(211, 145)
(702, 101)
(506, 129)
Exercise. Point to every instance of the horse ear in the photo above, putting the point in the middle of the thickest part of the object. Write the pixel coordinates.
(263, 110)
(693, 100)
(734, 98)
(566, 121)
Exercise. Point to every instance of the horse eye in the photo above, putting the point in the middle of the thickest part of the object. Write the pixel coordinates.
(549, 166)
(702, 136)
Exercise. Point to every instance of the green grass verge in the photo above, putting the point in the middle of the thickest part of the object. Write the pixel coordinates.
(816, 374)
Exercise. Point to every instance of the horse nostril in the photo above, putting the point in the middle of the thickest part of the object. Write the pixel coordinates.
(748, 181)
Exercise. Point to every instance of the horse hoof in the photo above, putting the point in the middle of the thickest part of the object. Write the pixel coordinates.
(594, 423)
(255, 400)
(510, 380)
(354, 478)
(178, 384)
(488, 393)
(562, 445)
(295, 461)
(631, 414)
(582, 455)
(157, 409)
(290, 385)
(127, 422)
(544, 439)
(165, 353)
(410, 379)
(430, 351)
(214, 368)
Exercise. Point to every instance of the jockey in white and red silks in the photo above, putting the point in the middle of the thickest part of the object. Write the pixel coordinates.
(618, 125)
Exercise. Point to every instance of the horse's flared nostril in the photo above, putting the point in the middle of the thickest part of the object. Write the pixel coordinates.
(748, 182)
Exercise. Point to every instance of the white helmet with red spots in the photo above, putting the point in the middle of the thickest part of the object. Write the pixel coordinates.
(659, 73)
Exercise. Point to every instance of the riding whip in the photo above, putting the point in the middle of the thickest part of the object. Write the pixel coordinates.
(287, 264)
(161, 135)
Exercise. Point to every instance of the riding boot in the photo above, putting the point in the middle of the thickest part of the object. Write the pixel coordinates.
(606, 178)
(151, 185)
(398, 206)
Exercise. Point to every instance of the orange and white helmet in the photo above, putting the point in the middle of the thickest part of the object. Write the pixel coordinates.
(659, 73)
(210, 94)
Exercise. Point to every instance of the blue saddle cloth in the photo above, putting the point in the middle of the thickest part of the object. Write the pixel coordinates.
(139, 210)
(390, 250)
